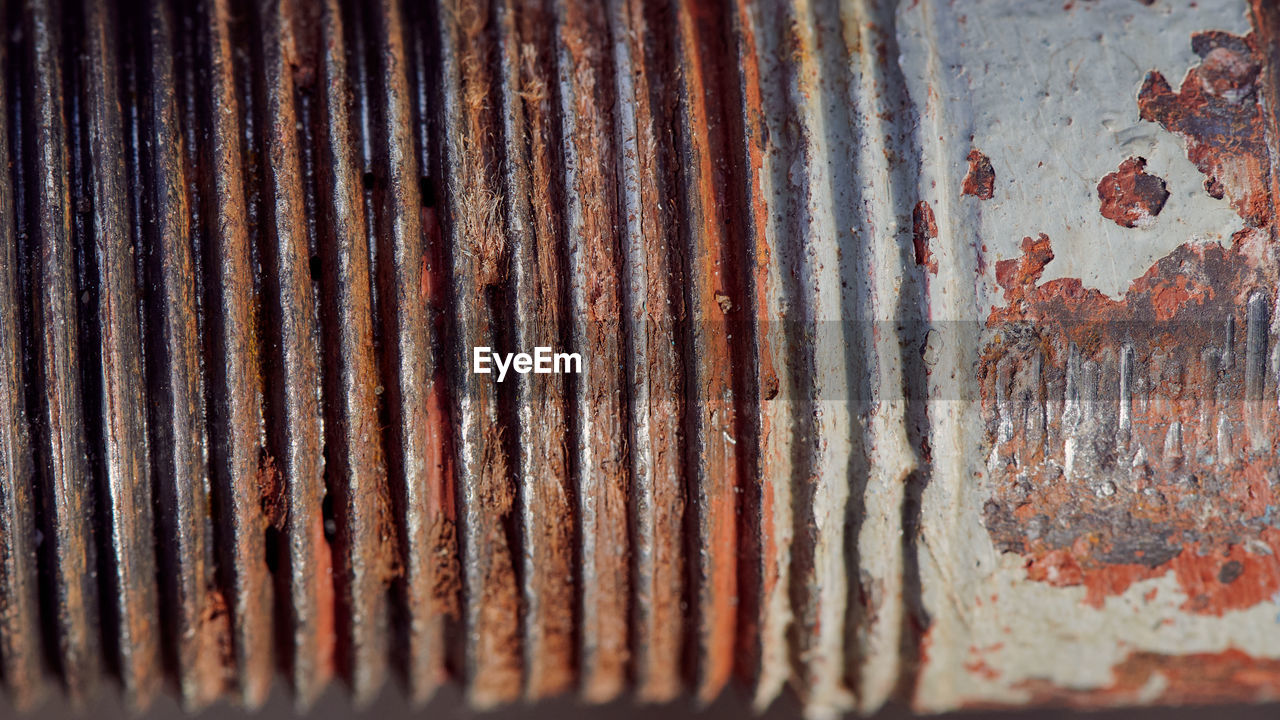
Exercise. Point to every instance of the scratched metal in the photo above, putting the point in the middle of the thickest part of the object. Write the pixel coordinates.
(122, 432)
(539, 316)
(63, 475)
(291, 327)
(189, 594)
(20, 646)
(921, 361)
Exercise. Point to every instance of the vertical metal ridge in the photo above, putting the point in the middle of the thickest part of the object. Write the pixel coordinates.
(539, 299)
(409, 344)
(713, 295)
(584, 55)
(494, 667)
(357, 467)
(65, 482)
(295, 404)
(655, 372)
(122, 430)
(440, 494)
(820, 580)
(767, 502)
(807, 427)
(21, 650)
(195, 608)
(239, 459)
(883, 286)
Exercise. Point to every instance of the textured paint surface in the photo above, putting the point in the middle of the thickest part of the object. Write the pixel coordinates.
(1119, 482)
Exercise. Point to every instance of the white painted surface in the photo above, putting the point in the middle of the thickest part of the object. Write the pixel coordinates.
(1033, 83)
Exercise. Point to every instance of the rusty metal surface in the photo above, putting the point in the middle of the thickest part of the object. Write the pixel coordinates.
(918, 362)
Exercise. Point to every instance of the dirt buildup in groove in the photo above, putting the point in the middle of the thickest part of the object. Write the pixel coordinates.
(446, 587)
(1130, 197)
(1217, 113)
(271, 490)
(923, 229)
(980, 181)
(215, 661)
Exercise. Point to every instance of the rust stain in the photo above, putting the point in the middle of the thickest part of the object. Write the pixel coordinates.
(923, 229)
(271, 489)
(1217, 114)
(980, 181)
(1131, 438)
(326, 605)
(1176, 489)
(978, 665)
(215, 660)
(1130, 197)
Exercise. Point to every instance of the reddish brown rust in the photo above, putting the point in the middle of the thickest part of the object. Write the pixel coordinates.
(604, 483)
(1161, 361)
(1126, 434)
(712, 269)
(655, 305)
(1130, 197)
(923, 229)
(980, 181)
(540, 310)
(1217, 113)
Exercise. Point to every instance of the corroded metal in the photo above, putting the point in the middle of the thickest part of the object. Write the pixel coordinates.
(923, 355)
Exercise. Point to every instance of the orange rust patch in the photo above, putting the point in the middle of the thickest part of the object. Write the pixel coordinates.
(977, 664)
(1175, 489)
(215, 661)
(1136, 437)
(1130, 197)
(980, 181)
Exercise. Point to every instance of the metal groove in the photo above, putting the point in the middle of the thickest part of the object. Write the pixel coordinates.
(538, 312)
(238, 455)
(592, 236)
